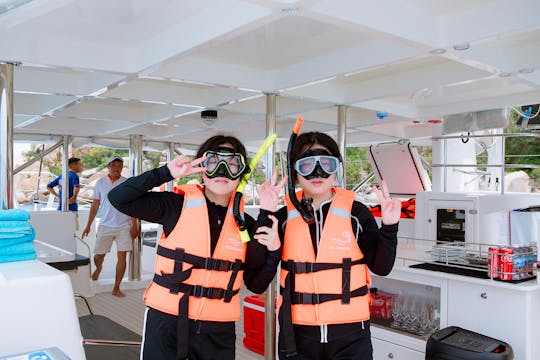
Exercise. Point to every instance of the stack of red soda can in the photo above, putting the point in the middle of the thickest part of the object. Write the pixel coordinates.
(512, 263)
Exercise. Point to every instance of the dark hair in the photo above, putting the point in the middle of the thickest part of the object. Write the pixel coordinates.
(215, 142)
(305, 141)
(73, 160)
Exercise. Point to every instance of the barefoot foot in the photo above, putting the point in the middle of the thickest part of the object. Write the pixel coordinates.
(118, 293)
(95, 274)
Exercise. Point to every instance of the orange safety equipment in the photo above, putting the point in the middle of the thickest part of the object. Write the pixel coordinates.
(191, 282)
(311, 293)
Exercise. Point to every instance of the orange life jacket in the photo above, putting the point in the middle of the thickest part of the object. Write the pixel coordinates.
(184, 264)
(331, 287)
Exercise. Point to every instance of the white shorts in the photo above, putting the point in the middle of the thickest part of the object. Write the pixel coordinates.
(106, 235)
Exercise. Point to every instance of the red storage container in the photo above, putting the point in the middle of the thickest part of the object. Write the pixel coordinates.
(254, 323)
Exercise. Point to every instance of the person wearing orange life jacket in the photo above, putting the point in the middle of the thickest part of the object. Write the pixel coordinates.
(193, 301)
(324, 279)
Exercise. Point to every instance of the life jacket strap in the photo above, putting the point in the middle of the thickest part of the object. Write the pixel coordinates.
(194, 290)
(287, 348)
(199, 262)
(298, 298)
(310, 267)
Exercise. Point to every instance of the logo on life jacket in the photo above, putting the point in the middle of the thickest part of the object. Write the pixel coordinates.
(341, 243)
(234, 245)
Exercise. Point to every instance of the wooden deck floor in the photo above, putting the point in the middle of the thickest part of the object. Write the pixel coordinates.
(129, 312)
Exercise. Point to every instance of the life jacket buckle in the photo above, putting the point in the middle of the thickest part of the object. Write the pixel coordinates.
(311, 299)
(209, 264)
(302, 268)
(197, 291)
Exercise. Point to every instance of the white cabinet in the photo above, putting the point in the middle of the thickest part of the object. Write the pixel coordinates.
(384, 350)
(501, 311)
(504, 311)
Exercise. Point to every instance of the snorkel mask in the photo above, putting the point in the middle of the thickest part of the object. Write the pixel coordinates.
(224, 163)
(316, 163)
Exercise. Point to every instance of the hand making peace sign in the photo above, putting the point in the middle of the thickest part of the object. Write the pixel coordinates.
(183, 166)
(269, 193)
(390, 208)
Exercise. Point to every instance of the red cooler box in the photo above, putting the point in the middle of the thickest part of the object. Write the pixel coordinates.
(254, 323)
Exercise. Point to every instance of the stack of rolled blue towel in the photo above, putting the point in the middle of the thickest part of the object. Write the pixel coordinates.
(16, 235)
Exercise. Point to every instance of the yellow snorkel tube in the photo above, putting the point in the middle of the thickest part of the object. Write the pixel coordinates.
(242, 185)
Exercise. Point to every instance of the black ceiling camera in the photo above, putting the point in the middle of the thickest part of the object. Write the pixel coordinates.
(209, 117)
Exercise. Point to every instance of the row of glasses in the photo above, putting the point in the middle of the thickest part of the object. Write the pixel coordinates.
(415, 314)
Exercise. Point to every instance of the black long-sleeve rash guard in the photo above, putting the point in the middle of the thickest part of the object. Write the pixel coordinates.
(377, 244)
(134, 198)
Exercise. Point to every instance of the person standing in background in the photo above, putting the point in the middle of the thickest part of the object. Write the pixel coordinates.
(113, 225)
(75, 166)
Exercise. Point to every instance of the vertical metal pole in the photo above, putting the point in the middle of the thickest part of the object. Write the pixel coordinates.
(65, 178)
(342, 140)
(135, 168)
(445, 169)
(170, 157)
(503, 162)
(6, 135)
(270, 295)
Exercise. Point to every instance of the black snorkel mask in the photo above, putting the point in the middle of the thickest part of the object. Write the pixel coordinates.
(316, 163)
(224, 163)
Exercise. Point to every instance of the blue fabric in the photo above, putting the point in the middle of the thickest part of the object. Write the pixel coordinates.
(14, 225)
(6, 233)
(73, 181)
(15, 238)
(18, 257)
(17, 249)
(14, 214)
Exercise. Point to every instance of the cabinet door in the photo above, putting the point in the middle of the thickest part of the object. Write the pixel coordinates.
(493, 311)
(384, 350)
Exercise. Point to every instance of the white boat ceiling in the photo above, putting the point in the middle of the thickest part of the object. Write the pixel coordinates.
(103, 70)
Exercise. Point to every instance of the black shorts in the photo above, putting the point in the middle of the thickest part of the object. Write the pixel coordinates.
(208, 340)
(344, 341)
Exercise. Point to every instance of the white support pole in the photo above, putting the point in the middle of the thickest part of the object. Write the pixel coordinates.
(6, 135)
(270, 294)
(66, 140)
(342, 139)
(135, 168)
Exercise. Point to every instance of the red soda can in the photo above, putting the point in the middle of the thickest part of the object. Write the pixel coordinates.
(507, 263)
(494, 260)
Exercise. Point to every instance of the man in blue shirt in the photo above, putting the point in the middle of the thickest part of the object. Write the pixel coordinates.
(75, 166)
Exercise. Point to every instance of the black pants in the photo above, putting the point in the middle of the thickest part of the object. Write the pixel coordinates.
(345, 342)
(208, 340)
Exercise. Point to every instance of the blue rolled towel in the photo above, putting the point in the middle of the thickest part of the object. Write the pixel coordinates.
(17, 257)
(17, 238)
(14, 214)
(16, 249)
(14, 225)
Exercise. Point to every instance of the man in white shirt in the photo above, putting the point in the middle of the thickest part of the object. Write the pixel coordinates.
(113, 225)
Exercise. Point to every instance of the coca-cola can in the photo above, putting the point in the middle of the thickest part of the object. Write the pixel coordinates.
(493, 262)
(507, 263)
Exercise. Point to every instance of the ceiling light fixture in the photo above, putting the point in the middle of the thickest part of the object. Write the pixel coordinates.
(462, 46)
(439, 51)
(290, 9)
(526, 71)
